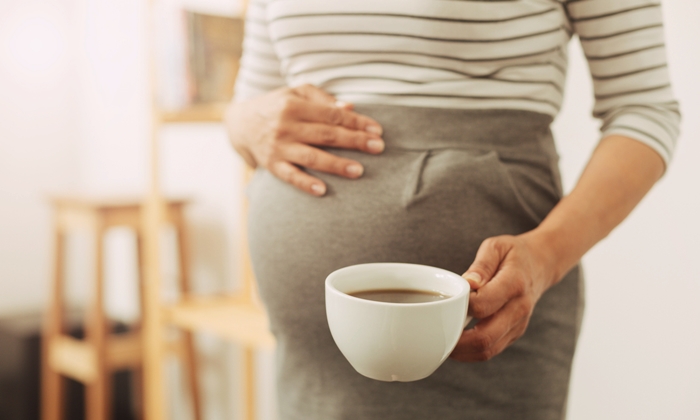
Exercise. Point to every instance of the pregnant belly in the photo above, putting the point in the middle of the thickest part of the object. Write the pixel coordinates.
(429, 207)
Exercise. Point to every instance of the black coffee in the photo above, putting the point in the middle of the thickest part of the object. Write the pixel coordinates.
(399, 295)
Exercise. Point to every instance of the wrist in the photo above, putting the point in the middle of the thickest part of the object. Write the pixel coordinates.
(234, 123)
(550, 249)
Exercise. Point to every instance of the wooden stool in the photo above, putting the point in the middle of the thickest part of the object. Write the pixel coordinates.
(92, 360)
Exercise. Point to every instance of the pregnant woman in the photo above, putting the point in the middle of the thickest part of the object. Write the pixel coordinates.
(418, 131)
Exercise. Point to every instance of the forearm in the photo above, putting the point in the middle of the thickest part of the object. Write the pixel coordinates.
(618, 175)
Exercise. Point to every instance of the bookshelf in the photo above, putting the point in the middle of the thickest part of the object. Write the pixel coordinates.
(239, 318)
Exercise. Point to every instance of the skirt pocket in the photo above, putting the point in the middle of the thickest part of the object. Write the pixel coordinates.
(532, 181)
(481, 178)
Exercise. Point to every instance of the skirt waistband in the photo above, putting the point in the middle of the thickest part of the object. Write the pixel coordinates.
(429, 128)
(517, 136)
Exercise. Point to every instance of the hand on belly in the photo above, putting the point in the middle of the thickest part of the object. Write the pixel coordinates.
(279, 130)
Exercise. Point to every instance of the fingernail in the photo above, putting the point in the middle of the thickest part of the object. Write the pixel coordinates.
(375, 146)
(318, 189)
(374, 129)
(341, 104)
(475, 277)
(354, 170)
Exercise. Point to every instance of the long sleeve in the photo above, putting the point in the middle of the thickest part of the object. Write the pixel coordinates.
(260, 68)
(623, 41)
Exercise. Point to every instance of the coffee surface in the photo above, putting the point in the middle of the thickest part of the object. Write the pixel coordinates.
(399, 295)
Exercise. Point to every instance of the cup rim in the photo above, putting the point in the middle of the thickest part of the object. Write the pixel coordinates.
(331, 287)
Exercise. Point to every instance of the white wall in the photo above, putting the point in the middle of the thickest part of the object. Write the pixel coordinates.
(39, 140)
(638, 353)
(195, 162)
(74, 113)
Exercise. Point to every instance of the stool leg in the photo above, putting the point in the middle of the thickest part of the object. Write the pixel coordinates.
(190, 355)
(249, 383)
(98, 392)
(191, 367)
(153, 338)
(52, 384)
(137, 381)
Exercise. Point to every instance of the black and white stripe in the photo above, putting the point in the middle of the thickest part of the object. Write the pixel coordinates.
(624, 43)
(507, 54)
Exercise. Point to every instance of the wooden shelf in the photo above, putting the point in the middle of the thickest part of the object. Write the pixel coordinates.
(238, 318)
(201, 113)
(235, 318)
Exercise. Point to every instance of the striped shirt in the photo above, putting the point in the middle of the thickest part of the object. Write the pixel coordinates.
(497, 54)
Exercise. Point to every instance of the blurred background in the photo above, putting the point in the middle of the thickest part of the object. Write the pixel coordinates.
(77, 114)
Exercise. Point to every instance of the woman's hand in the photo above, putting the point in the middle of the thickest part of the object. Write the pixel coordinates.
(510, 273)
(508, 276)
(278, 130)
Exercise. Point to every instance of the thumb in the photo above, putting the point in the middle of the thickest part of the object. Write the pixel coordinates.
(488, 258)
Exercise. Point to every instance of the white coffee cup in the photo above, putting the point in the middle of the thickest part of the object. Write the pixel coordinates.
(396, 341)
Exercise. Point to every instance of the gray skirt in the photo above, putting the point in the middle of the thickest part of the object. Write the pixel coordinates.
(447, 180)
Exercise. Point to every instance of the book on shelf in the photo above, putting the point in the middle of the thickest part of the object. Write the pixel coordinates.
(198, 56)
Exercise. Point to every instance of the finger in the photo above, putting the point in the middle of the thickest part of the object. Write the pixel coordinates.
(496, 349)
(488, 258)
(315, 94)
(331, 115)
(492, 335)
(505, 286)
(327, 135)
(345, 105)
(313, 158)
(298, 178)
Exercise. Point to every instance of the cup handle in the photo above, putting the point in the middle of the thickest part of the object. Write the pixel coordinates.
(467, 321)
